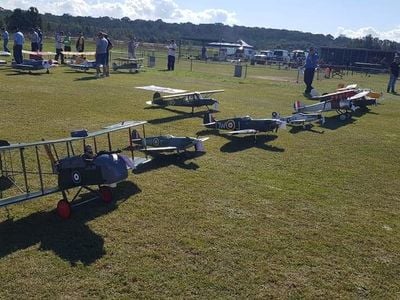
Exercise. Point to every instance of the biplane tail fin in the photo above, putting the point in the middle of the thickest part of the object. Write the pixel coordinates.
(135, 135)
(208, 120)
(156, 96)
(298, 106)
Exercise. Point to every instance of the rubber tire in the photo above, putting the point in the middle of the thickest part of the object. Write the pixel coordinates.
(64, 209)
(106, 194)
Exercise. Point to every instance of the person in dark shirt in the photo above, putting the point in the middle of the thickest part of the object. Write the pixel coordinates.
(394, 74)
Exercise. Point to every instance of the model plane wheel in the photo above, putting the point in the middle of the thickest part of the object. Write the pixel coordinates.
(64, 209)
(342, 117)
(106, 194)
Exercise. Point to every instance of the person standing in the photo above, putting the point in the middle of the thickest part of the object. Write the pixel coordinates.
(132, 46)
(394, 74)
(80, 43)
(34, 40)
(101, 53)
(5, 37)
(18, 45)
(171, 55)
(109, 47)
(40, 35)
(67, 42)
(309, 70)
(59, 46)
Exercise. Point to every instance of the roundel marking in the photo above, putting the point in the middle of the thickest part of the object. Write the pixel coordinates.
(156, 142)
(230, 124)
(76, 177)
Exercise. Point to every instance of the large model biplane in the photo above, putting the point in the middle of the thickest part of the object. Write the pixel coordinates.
(243, 125)
(32, 170)
(344, 92)
(168, 143)
(343, 107)
(189, 99)
(35, 62)
(133, 65)
(79, 61)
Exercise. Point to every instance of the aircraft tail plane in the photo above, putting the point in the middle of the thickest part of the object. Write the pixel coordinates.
(208, 120)
(135, 136)
(298, 105)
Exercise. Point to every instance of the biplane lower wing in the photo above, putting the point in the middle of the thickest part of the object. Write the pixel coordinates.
(28, 196)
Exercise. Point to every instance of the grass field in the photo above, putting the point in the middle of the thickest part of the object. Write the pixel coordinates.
(299, 214)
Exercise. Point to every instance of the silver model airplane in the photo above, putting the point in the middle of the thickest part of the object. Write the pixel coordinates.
(300, 119)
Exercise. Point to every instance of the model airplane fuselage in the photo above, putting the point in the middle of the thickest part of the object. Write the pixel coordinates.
(33, 65)
(193, 99)
(242, 125)
(300, 119)
(168, 143)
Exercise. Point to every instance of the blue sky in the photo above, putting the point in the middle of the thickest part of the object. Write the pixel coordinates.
(353, 18)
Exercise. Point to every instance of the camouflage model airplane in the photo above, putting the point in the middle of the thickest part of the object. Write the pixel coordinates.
(243, 125)
(168, 143)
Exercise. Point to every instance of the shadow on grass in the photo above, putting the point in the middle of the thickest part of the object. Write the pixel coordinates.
(334, 122)
(72, 239)
(241, 143)
(238, 143)
(309, 128)
(5, 183)
(21, 72)
(86, 78)
(165, 160)
(181, 115)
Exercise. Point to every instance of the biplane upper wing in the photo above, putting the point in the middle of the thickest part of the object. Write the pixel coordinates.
(359, 95)
(192, 93)
(71, 53)
(39, 53)
(160, 89)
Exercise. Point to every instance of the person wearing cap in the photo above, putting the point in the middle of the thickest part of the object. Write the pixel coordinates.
(59, 46)
(132, 46)
(5, 37)
(171, 55)
(309, 70)
(34, 40)
(101, 53)
(80, 43)
(394, 74)
(19, 40)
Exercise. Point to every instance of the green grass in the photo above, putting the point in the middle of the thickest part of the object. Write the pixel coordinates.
(312, 214)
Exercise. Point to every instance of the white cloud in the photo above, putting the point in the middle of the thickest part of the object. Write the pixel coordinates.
(167, 10)
(392, 35)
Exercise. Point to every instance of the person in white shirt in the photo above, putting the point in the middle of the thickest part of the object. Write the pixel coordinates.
(171, 55)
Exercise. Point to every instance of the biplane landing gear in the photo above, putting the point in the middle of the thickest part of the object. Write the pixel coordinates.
(106, 194)
(64, 209)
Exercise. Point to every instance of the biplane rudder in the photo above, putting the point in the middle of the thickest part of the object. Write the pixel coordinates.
(208, 120)
(298, 106)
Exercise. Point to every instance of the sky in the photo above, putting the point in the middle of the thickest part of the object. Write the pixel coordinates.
(352, 18)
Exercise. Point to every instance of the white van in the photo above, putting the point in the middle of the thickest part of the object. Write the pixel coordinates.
(281, 55)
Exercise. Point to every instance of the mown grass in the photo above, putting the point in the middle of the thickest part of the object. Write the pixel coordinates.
(308, 214)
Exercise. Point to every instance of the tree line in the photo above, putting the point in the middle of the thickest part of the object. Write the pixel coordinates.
(160, 32)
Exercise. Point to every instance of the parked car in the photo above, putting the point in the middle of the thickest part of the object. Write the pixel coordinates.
(262, 57)
(281, 55)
